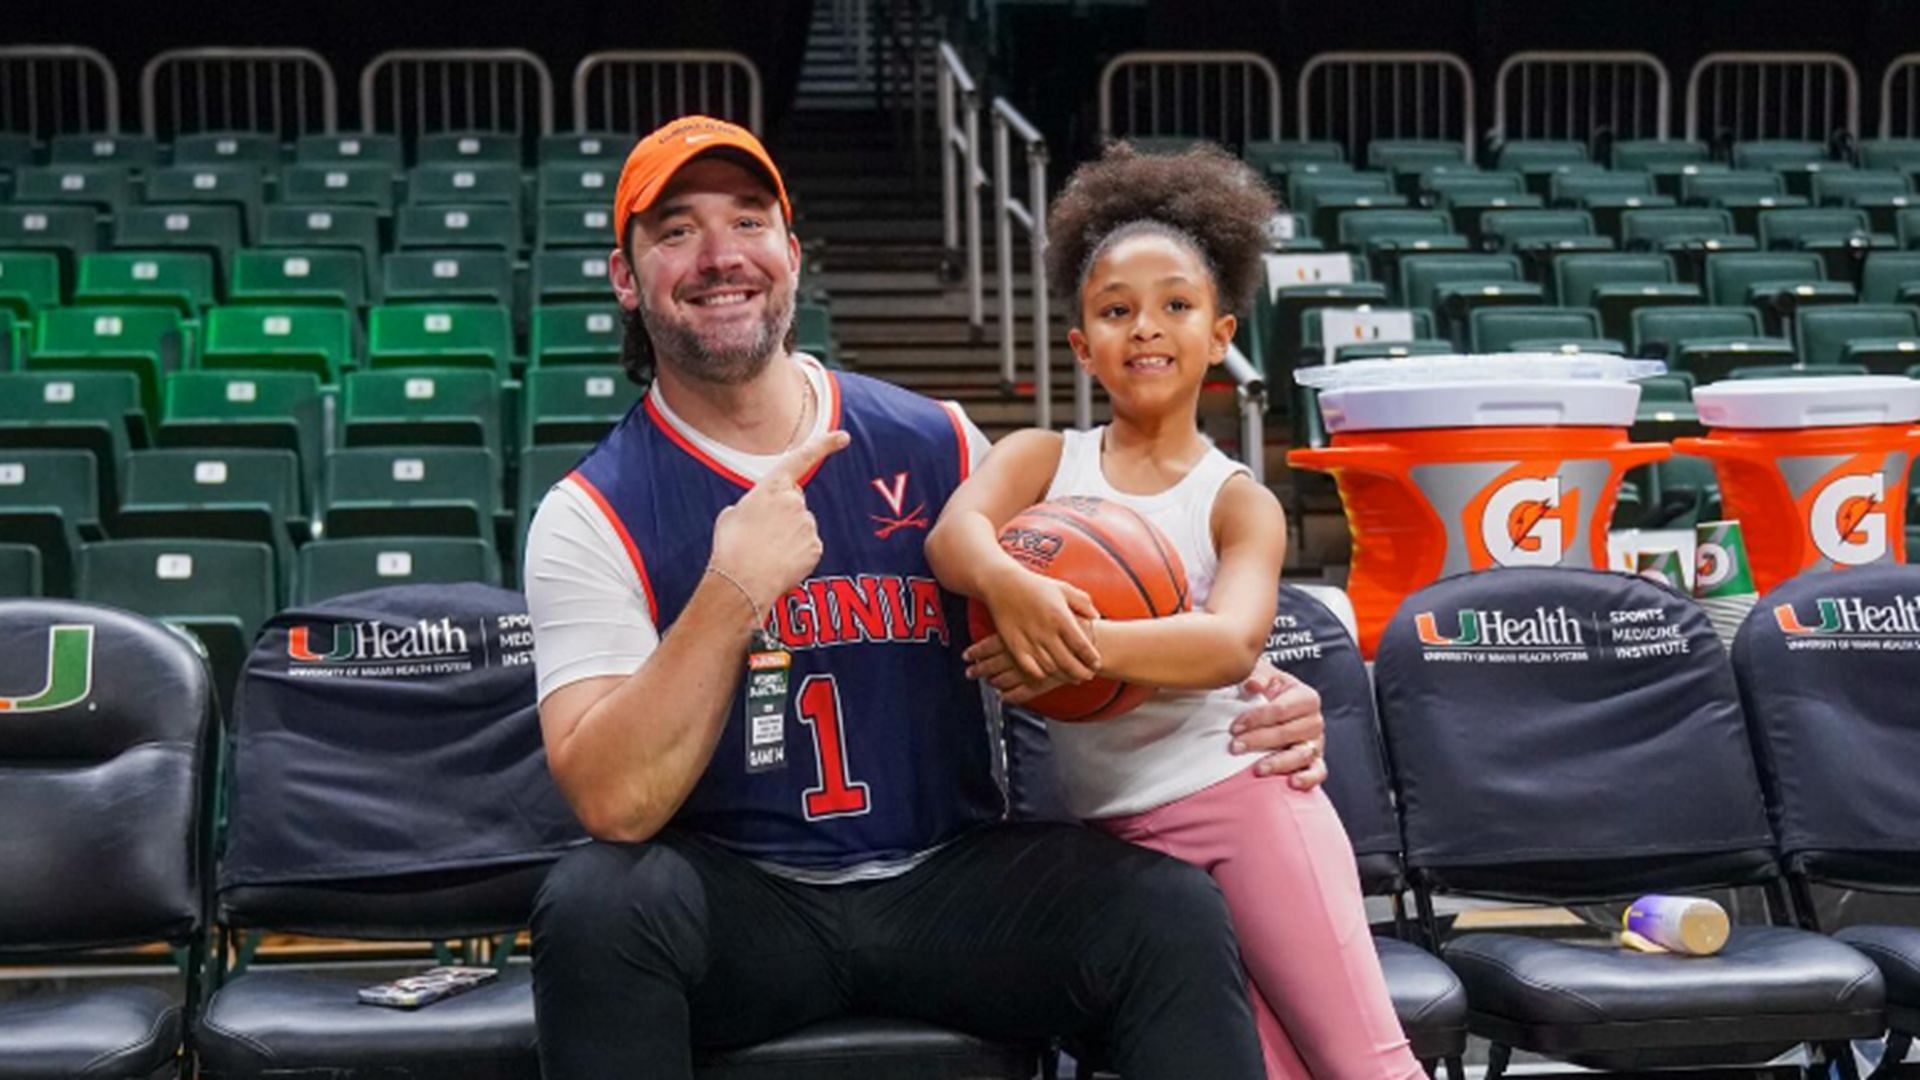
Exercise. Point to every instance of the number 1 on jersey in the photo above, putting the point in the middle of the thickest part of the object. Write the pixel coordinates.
(836, 795)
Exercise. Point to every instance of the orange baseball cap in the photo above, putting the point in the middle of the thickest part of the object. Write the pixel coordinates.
(656, 157)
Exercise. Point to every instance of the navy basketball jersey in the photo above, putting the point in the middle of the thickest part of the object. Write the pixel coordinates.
(887, 745)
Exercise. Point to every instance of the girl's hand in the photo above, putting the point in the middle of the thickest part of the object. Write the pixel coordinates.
(988, 659)
(1043, 626)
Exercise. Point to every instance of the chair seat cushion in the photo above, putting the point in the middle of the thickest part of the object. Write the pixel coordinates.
(107, 1031)
(1895, 950)
(872, 1048)
(269, 1020)
(1768, 987)
(1427, 997)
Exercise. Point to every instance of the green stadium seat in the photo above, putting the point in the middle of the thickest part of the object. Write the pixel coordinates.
(1508, 229)
(579, 182)
(222, 591)
(1439, 186)
(1521, 153)
(475, 225)
(1539, 177)
(1883, 338)
(108, 188)
(411, 491)
(574, 404)
(29, 281)
(1567, 189)
(1304, 189)
(338, 183)
(1671, 228)
(330, 568)
(1797, 371)
(179, 280)
(228, 148)
(13, 338)
(1802, 228)
(95, 411)
(1452, 286)
(441, 334)
(468, 148)
(1414, 155)
(50, 501)
(1499, 329)
(1330, 206)
(594, 146)
(22, 571)
(575, 226)
(464, 184)
(122, 151)
(579, 334)
(352, 228)
(1701, 188)
(1608, 209)
(1879, 192)
(565, 274)
(1777, 153)
(1391, 350)
(813, 331)
(1313, 329)
(216, 493)
(330, 277)
(215, 230)
(238, 186)
(1469, 208)
(1645, 154)
(445, 277)
(267, 410)
(1898, 155)
(1708, 343)
(429, 407)
(353, 149)
(1906, 225)
(147, 341)
(1890, 277)
(1357, 228)
(1777, 282)
(67, 232)
(1569, 346)
(1615, 285)
(541, 467)
(1285, 301)
(293, 338)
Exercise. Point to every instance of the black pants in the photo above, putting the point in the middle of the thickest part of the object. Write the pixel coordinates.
(642, 951)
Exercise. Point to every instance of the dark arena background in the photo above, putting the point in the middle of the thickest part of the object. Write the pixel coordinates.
(305, 308)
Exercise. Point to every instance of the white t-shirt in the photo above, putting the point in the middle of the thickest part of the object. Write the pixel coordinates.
(1175, 743)
(589, 611)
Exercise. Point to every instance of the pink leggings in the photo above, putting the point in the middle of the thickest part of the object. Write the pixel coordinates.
(1282, 859)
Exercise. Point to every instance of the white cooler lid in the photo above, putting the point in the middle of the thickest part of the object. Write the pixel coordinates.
(1826, 401)
(1491, 367)
(1513, 403)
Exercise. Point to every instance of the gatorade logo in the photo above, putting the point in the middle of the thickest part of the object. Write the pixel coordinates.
(1524, 523)
(1848, 520)
(69, 672)
(1712, 565)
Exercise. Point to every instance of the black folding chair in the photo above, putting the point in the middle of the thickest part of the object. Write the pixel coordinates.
(1829, 665)
(104, 770)
(1567, 736)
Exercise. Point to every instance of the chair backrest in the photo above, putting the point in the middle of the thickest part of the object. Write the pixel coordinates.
(1826, 665)
(1730, 274)
(1313, 643)
(1670, 324)
(1567, 734)
(102, 747)
(388, 776)
(1495, 329)
(1887, 275)
(1786, 227)
(1824, 330)
(1576, 276)
(1653, 227)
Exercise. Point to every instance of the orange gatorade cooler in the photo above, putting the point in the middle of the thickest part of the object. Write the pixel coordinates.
(1454, 463)
(1815, 470)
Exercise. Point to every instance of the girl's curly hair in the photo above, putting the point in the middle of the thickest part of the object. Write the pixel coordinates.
(1204, 197)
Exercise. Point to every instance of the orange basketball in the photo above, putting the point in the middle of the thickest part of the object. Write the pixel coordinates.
(1120, 559)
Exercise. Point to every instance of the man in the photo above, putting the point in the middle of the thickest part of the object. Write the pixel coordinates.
(792, 830)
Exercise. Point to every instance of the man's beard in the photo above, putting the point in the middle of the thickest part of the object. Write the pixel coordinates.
(744, 354)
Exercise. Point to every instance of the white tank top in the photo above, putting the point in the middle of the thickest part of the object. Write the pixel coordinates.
(1176, 743)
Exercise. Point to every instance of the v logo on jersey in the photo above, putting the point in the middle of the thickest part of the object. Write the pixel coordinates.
(895, 493)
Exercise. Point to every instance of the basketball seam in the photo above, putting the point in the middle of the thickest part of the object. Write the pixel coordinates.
(1180, 595)
(1153, 611)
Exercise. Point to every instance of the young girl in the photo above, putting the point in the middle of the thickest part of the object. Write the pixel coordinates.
(1159, 251)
